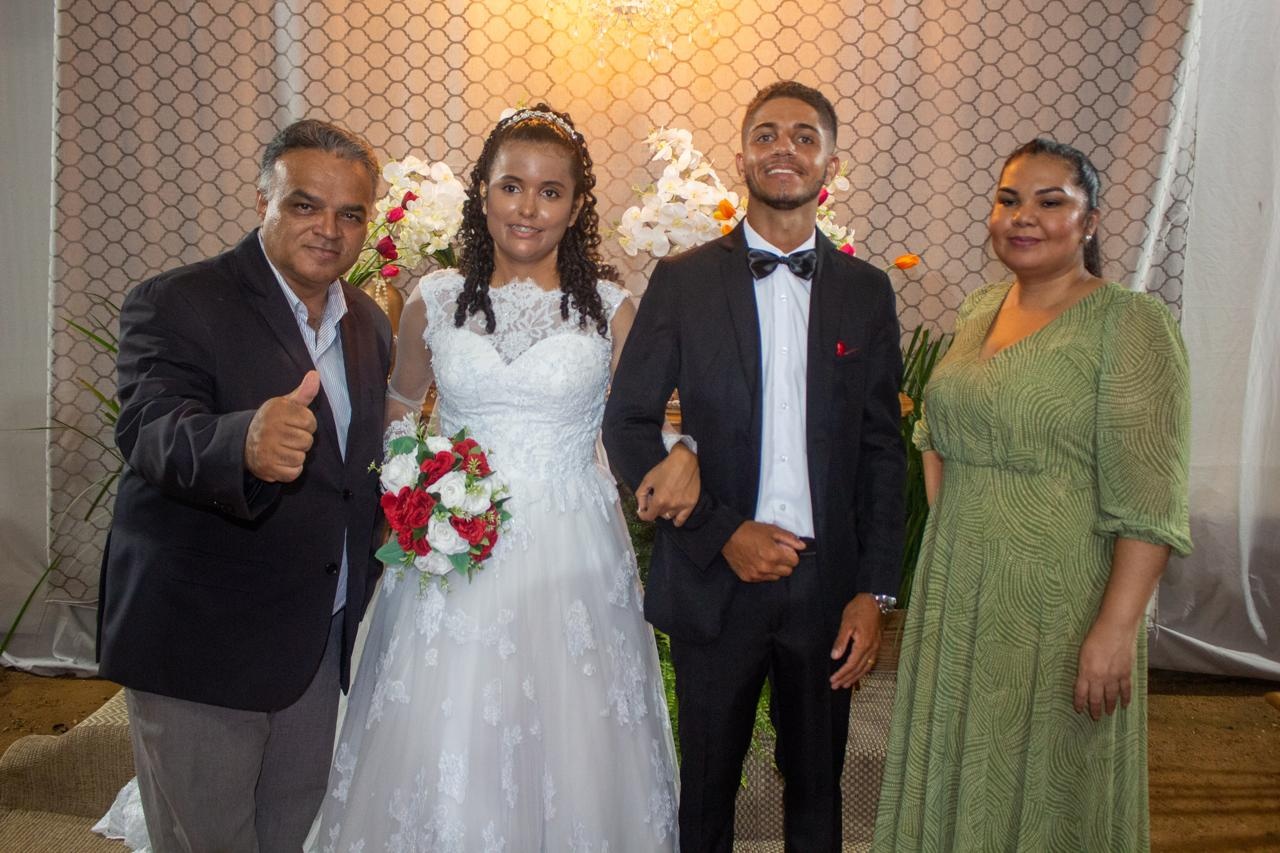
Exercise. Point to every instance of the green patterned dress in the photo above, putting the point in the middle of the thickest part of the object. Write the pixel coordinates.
(1052, 447)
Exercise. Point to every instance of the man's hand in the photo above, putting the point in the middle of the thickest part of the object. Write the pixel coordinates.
(280, 433)
(762, 552)
(859, 624)
(670, 490)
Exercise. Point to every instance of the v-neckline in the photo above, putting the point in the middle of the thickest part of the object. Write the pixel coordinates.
(980, 359)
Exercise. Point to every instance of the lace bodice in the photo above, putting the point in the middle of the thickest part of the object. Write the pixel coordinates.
(532, 392)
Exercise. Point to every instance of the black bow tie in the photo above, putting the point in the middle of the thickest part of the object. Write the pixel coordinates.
(801, 263)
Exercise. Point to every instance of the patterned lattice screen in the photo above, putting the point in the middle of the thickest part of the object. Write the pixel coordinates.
(163, 107)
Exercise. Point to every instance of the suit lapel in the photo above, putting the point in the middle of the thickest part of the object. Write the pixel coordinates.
(826, 302)
(265, 295)
(359, 358)
(740, 292)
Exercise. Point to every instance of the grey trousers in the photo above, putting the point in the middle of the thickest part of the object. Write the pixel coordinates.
(220, 780)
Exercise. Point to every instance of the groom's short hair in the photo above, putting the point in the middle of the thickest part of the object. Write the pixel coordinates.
(798, 91)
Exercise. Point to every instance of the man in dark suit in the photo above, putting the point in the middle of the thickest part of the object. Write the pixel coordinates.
(786, 355)
(240, 559)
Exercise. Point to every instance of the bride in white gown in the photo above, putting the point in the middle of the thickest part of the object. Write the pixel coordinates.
(522, 710)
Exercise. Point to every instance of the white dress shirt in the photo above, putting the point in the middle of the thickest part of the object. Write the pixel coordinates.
(782, 304)
(325, 346)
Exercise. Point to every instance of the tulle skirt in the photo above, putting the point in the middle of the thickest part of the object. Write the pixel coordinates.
(520, 710)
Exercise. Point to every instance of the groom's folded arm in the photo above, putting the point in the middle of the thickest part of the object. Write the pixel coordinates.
(636, 410)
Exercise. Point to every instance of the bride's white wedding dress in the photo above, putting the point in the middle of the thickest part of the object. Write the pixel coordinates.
(522, 710)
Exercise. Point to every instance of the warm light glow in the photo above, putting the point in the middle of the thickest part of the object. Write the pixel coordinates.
(648, 26)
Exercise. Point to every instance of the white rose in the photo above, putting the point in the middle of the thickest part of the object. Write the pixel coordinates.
(398, 472)
(452, 488)
(444, 538)
(477, 499)
(436, 443)
(434, 563)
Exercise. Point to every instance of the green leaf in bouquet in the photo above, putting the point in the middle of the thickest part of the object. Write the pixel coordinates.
(461, 563)
(402, 444)
(390, 553)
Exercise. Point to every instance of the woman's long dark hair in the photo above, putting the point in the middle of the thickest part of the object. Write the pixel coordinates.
(1085, 177)
(578, 259)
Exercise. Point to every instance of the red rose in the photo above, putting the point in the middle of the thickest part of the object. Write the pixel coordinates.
(405, 538)
(395, 214)
(478, 464)
(486, 544)
(387, 248)
(437, 466)
(848, 249)
(421, 547)
(408, 197)
(393, 508)
(470, 529)
(473, 459)
(417, 509)
(823, 196)
(389, 271)
(490, 533)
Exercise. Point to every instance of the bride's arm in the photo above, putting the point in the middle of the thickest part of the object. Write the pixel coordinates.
(670, 490)
(411, 374)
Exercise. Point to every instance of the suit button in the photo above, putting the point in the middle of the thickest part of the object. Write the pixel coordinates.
(346, 494)
(331, 568)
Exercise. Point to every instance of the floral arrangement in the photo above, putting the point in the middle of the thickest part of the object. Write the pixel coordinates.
(416, 220)
(690, 205)
(442, 500)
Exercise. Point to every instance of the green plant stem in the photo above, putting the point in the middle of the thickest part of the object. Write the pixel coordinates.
(22, 611)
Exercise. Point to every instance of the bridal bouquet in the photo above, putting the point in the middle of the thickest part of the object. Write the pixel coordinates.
(417, 219)
(690, 205)
(443, 501)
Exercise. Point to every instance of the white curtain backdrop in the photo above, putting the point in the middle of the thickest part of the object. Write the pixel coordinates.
(1219, 609)
(162, 110)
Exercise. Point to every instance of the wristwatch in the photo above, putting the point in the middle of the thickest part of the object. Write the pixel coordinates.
(886, 603)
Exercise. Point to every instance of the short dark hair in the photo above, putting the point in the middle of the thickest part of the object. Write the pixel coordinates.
(1085, 177)
(310, 133)
(799, 91)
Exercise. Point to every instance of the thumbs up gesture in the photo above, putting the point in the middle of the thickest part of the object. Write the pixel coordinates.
(280, 433)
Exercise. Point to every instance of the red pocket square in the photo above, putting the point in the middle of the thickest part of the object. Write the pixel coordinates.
(842, 350)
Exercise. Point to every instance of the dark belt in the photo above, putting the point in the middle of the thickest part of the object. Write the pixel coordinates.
(810, 547)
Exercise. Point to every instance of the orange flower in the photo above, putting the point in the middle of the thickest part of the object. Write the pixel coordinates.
(726, 228)
(906, 404)
(906, 262)
(724, 211)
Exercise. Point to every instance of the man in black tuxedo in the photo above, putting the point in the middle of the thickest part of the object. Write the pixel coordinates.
(786, 355)
(240, 559)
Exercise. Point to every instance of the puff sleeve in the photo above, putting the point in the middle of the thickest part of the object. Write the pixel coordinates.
(1142, 426)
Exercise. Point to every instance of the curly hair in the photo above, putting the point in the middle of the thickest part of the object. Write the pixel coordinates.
(578, 260)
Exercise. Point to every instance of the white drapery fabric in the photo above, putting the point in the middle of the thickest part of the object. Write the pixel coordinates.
(1219, 609)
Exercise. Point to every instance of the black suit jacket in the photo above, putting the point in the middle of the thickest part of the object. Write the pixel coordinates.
(217, 587)
(697, 330)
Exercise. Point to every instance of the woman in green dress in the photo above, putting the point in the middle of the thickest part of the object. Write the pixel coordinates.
(1055, 439)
